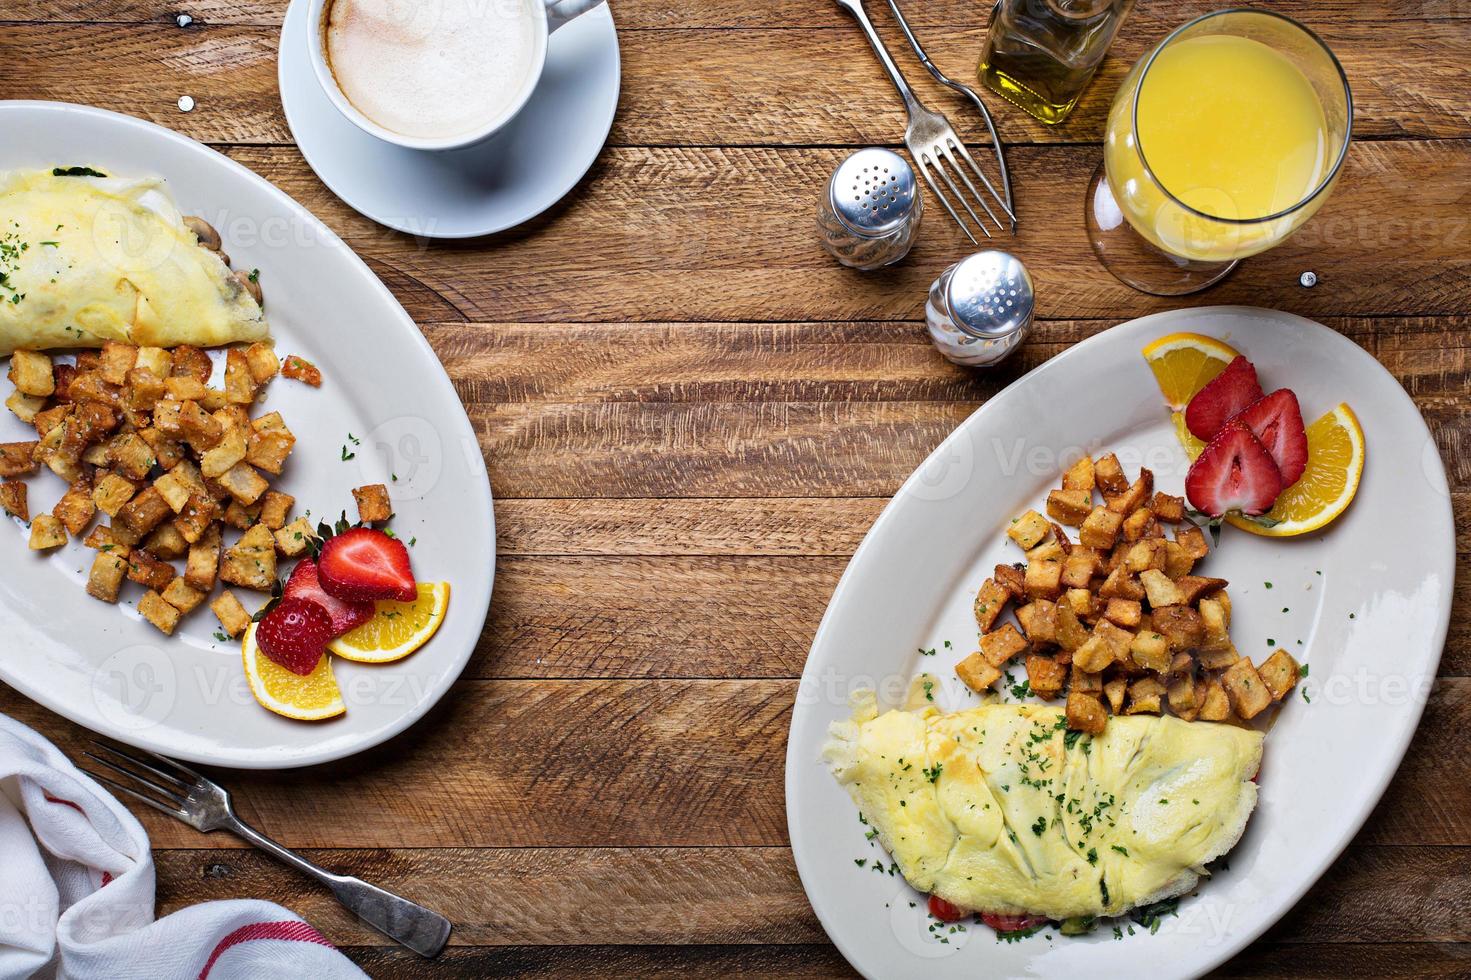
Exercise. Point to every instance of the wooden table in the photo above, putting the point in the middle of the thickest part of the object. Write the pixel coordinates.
(691, 416)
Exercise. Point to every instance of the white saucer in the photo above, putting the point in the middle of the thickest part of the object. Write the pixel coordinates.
(511, 178)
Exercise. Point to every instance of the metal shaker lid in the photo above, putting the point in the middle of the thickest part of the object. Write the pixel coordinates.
(873, 191)
(990, 295)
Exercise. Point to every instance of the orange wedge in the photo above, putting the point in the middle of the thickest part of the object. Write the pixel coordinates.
(1184, 363)
(1327, 486)
(1193, 446)
(314, 697)
(398, 628)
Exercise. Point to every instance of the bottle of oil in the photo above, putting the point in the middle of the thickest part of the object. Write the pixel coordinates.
(1041, 54)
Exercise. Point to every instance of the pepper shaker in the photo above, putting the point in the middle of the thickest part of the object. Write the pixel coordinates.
(980, 309)
(870, 211)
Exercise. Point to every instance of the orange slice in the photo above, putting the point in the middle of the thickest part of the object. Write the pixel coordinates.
(1193, 446)
(1184, 363)
(398, 628)
(314, 697)
(1327, 486)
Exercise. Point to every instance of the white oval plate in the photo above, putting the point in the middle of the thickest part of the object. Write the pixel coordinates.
(1371, 626)
(185, 696)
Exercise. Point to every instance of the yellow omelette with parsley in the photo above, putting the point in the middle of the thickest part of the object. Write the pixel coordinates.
(1001, 809)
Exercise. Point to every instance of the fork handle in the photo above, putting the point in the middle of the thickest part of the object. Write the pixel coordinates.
(855, 7)
(422, 930)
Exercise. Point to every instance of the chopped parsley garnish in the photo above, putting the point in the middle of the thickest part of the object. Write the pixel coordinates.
(927, 653)
(1021, 690)
(1267, 584)
(254, 275)
(221, 637)
(929, 690)
(75, 172)
(1302, 670)
(1305, 695)
(347, 455)
(1150, 916)
(1017, 935)
(1092, 855)
(1121, 850)
(1071, 738)
(934, 774)
(1039, 826)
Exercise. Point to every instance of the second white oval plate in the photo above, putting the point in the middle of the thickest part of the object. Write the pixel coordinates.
(386, 402)
(1365, 603)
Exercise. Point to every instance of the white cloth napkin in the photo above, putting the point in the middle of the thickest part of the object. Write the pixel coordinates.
(76, 892)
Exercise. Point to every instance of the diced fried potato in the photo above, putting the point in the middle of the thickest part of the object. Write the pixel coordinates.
(300, 369)
(144, 512)
(251, 563)
(120, 536)
(262, 362)
(1138, 525)
(1039, 621)
(1012, 579)
(239, 385)
(214, 399)
(131, 456)
(1045, 676)
(244, 483)
(46, 533)
(1079, 567)
(233, 618)
(13, 499)
(294, 539)
(160, 613)
(1133, 498)
(1181, 625)
(1085, 682)
(91, 386)
(112, 492)
(1044, 579)
(18, 458)
(1192, 539)
(176, 487)
(1181, 693)
(1214, 705)
(1159, 588)
(226, 452)
(1216, 622)
(1150, 650)
(1069, 506)
(270, 443)
(117, 359)
(168, 452)
(191, 362)
(30, 372)
(1093, 656)
(1100, 529)
(45, 421)
(233, 417)
(26, 407)
(373, 504)
(1193, 587)
(186, 389)
(97, 454)
(198, 515)
(1178, 562)
(203, 566)
(105, 580)
(1124, 612)
(182, 596)
(1168, 508)
(1109, 475)
(1085, 713)
(1049, 550)
(977, 673)
(1029, 530)
(275, 508)
(1279, 673)
(990, 603)
(62, 375)
(144, 390)
(1001, 645)
(1247, 691)
(1079, 476)
(149, 571)
(1071, 634)
(1144, 555)
(166, 419)
(156, 360)
(75, 509)
(199, 428)
(241, 516)
(1121, 584)
(1144, 697)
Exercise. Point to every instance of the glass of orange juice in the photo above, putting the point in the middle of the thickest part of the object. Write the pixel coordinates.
(1220, 143)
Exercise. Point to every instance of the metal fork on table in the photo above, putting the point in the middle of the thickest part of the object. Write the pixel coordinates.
(203, 804)
(932, 141)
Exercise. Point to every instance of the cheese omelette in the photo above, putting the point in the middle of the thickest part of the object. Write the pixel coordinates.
(999, 808)
(86, 259)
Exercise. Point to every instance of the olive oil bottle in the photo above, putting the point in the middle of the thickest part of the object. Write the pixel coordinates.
(1041, 54)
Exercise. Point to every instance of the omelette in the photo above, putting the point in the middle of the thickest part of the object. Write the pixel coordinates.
(999, 808)
(86, 258)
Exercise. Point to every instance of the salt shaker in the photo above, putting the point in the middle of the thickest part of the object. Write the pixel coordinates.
(980, 309)
(870, 212)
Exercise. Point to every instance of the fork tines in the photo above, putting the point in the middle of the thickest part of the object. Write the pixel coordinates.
(944, 150)
(166, 790)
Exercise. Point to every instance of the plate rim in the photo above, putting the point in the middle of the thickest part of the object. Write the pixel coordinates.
(460, 421)
(795, 763)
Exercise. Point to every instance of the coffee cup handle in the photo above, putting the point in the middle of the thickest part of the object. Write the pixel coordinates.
(560, 12)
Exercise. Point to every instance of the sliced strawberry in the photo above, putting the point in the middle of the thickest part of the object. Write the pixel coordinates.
(1011, 923)
(1276, 421)
(363, 564)
(345, 616)
(295, 634)
(1227, 394)
(1234, 472)
(946, 912)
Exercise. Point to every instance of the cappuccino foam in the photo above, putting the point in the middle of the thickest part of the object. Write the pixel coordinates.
(430, 69)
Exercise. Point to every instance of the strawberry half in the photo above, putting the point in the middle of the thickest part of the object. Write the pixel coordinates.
(1226, 395)
(1234, 472)
(345, 616)
(363, 564)
(295, 634)
(1276, 421)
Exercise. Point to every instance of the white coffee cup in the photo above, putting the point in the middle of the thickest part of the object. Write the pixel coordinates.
(546, 15)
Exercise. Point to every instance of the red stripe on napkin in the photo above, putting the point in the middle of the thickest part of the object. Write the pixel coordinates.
(290, 931)
(60, 802)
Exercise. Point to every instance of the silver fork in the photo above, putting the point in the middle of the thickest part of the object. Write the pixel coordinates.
(203, 804)
(932, 141)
